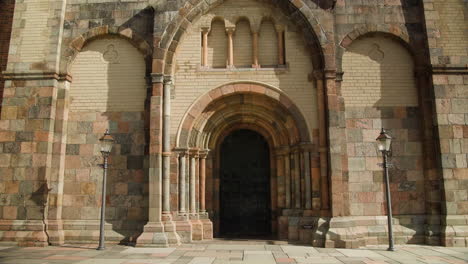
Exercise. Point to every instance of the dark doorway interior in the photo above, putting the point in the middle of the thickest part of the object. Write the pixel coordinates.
(245, 186)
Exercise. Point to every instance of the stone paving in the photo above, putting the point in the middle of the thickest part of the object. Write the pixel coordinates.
(236, 252)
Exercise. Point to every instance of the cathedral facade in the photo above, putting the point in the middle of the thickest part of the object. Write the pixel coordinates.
(233, 119)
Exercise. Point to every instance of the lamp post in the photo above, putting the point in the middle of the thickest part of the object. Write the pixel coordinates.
(106, 143)
(384, 142)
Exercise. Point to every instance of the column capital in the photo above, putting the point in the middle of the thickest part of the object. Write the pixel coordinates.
(194, 152)
(204, 153)
(230, 30)
(318, 74)
(168, 79)
(282, 150)
(157, 78)
(280, 28)
(205, 30)
(181, 152)
(330, 74)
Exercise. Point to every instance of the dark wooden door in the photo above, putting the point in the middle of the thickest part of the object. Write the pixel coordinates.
(245, 185)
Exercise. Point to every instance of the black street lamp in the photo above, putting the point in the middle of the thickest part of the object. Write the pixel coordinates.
(384, 142)
(106, 142)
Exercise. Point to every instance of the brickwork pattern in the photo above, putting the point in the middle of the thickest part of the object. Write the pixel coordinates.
(191, 82)
(108, 75)
(378, 72)
(217, 45)
(268, 44)
(6, 19)
(243, 45)
(379, 90)
(451, 36)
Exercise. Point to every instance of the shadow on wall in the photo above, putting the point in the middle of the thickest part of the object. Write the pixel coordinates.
(125, 115)
(384, 94)
(395, 109)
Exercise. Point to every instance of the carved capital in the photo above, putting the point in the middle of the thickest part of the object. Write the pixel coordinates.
(280, 28)
(230, 30)
(181, 152)
(168, 79)
(157, 78)
(203, 153)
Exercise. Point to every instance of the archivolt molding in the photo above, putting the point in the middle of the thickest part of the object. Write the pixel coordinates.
(247, 103)
(78, 43)
(396, 32)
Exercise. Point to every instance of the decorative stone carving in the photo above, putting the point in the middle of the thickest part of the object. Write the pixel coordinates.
(111, 55)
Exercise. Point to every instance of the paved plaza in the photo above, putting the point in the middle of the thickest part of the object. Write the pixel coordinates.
(236, 252)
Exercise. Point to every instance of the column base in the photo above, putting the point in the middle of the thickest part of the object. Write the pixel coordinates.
(197, 227)
(153, 236)
(207, 226)
(24, 233)
(184, 227)
(173, 239)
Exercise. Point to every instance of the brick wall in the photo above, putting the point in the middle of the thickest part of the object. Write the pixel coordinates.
(108, 75)
(6, 18)
(378, 72)
(268, 44)
(379, 90)
(217, 45)
(190, 82)
(452, 26)
(243, 45)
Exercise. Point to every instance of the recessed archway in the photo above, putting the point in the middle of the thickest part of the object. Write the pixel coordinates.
(269, 113)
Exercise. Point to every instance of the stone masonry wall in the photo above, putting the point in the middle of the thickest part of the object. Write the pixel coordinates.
(379, 90)
(35, 122)
(447, 38)
(108, 92)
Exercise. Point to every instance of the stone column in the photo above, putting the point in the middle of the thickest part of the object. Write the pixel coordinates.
(205, 32)
(166, 147)
(255, 63)
(307, 179)
(280, 31)
(230, 60)
(153, 232)
(193, 181)
(297, 179)
(202, 177)
(322, 140)
(182, 186)
(287, 178)
(183, 225)
(207, 225)
(197, 225)
(169, 226)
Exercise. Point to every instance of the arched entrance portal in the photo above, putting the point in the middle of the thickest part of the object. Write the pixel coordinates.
(215, 131)
(245, 185)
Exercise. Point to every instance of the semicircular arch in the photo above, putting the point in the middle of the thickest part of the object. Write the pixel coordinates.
(300, 13)
(271, 105)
